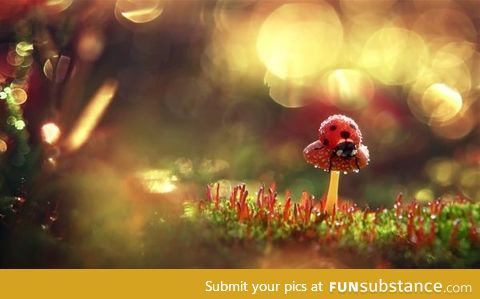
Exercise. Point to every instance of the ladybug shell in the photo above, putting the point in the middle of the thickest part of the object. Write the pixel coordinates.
(321, 156)
(339, 128)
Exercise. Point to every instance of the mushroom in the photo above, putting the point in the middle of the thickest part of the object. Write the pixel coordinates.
(338, 148)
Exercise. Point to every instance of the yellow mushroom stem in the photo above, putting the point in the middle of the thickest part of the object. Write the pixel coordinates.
(332, 194)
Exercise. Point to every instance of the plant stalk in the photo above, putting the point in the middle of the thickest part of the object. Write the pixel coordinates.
(332, 194)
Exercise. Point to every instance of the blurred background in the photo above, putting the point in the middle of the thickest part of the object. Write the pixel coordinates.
(112, 110)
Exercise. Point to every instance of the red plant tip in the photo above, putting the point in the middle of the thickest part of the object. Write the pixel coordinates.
(339, 146)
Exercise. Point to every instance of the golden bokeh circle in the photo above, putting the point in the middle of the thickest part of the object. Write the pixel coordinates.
(138, 11)
(394, 55)
(299, 40)
(19, 95)
(3, 146)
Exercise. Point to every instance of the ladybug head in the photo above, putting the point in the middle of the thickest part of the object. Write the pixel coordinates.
(341, 134)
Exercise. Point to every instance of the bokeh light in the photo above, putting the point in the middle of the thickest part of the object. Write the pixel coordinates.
(24, 48)
(184, 166)
(441, 102)
(348, 88)
(139, 11)
(157, 180)
(456, 128)
(55, 69)
(394, 55)
(299, 40)
(90, 45)
(211, 167)
(218, 93)
(424, 194)
(3, 146)
(19, 124)
(50, 133)
(19, 95)
(443, 25)
(442, 171)
(470, 177)
(14, 59)
(56, 6)
(289, 93)
(91, 115)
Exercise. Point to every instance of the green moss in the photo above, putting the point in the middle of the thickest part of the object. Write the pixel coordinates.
(440, 233)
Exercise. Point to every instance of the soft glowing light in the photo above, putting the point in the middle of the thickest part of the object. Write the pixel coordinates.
(441, 102)
(91, 115)
(56, 6)
(157, 180)
(456, 128)
(470, 178)
(424, 194)
(212, 167)
(348, 88)
(442, 171)
(233, 55)
(19, 95)
(19, 125)
(288, 93)
(24, 48)
(14, 59)
(449, 69)
(299, 40)
(358, 30)
(90, 45)
(56, 68)
(184, 166)
(454, 53)
(139, 11)
(445, 24)
(50, 133)
(394, 55)
(3, 146)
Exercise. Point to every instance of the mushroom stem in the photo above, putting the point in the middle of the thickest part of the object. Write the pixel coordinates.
(332, 194)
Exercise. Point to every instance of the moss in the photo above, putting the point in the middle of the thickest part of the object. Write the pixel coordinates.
(441, 233)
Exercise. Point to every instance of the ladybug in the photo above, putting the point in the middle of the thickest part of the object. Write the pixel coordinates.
(339, 146)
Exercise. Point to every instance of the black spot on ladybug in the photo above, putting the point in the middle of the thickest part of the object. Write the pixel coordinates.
(345, 134)
(333, 128)
(325, 142)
